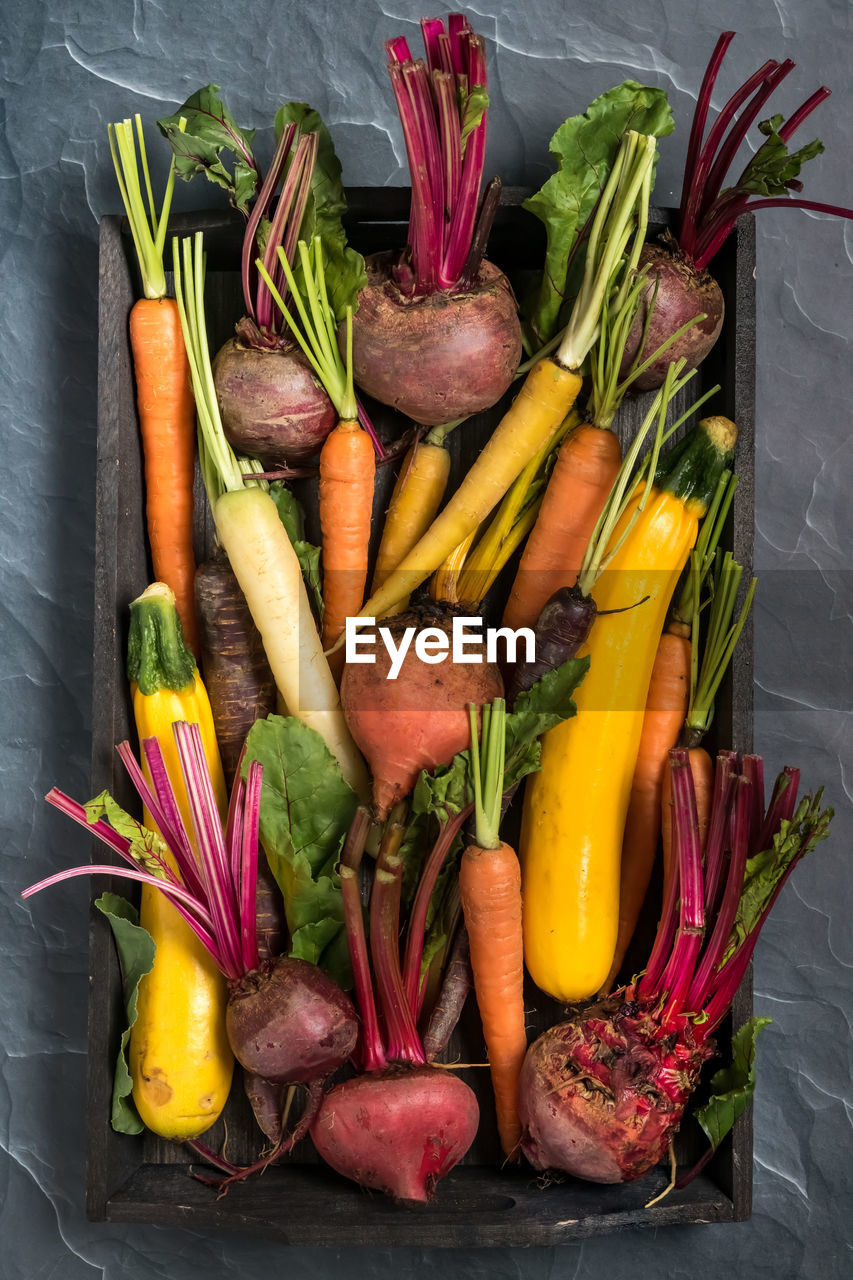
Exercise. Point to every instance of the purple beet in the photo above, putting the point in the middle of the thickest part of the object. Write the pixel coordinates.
(287, 1021)
(439, 356)
(711, 204)
(272, 406)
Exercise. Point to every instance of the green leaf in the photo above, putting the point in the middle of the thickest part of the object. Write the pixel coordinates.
(306, 811)
(293, 518)
(771, 170)
(473, 105)
(584, 148)
(766, 869)
(542, 707)
(732, 1086)
(344, 268)
(210, 130)
(135, 948)
(146, 847)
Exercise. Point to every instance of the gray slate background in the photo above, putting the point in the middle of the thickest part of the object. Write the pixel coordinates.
(67, 69)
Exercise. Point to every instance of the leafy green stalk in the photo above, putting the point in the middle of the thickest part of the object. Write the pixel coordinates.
(617, 217)
(315, 332)
(488, 757)
(704, 552)
(210, 130)
(584, 149)
(732, 1090)
(148, 230)
(306, 810)
(221, 467)
(599, 551)
(722, 636)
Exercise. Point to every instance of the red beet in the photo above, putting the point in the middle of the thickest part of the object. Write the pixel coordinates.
(272, 406)
(439, 356)
(399, 1130)
(288, 1021)
(682, 293)
(600, 1097)
(418, 720)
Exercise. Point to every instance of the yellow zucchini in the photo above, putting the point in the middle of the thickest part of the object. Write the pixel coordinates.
(574, 808)
(180, 1061)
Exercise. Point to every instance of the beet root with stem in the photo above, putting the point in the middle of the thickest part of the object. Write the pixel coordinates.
(601, 1096)
(440, 356)
(682, 293)
(287, 1021)
(399, 1130)
(418, 719)
(272, 406)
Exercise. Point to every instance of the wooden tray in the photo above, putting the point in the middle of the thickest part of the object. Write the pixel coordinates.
(301, 1202)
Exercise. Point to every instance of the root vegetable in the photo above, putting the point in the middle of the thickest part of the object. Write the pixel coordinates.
(439, 356)
(399, 1130)
(419, 719)
(272, 406)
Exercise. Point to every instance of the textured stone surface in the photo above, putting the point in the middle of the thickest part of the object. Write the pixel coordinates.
(68, 69)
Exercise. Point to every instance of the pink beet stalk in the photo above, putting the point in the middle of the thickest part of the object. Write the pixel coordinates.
(403, 1042)
(417, 921)
(445, 153)
(709, 209)
(691, 927)
(715, 848)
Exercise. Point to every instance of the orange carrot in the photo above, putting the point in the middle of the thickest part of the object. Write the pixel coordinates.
(490, 886)
(163, 388)
(666, 707)
(580, 483)
(490, 891)
(166, 407)
(347, 470)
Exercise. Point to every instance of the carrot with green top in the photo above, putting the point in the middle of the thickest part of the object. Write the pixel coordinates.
(164, 395)
(490, 887)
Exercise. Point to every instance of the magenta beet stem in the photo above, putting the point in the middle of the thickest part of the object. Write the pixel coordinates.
(762, 84)
(371, 1050)
(740, 817)
(783, 802)
(691, 926)
(725, 772)
(248, 270)
(403, 1043)
(209, 839)
(791, 125)
(753, 768)
(247, 842)
(700, 116)
(418, 915)
(159, 800)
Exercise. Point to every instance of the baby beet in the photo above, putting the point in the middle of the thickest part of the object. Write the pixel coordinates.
(399, 1130)
(683, 292)
(439, 356)
(288, 1021)
(272, 406)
